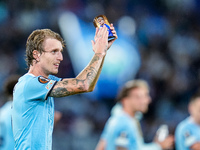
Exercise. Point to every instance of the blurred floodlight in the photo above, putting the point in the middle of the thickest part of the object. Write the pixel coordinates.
(127, 26)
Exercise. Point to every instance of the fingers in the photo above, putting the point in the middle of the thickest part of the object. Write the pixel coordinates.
(102, 32)
(105, 32)
(92, 44)
(97, 30)
(100, 42)
(113, 31)
(101, 36)
(95, 37)
(114, 34)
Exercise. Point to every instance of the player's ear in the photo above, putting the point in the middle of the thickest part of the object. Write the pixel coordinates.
(36, 55)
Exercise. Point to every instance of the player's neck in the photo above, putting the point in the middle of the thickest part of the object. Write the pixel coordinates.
(130, 112)
(195, 120)
(37, 71)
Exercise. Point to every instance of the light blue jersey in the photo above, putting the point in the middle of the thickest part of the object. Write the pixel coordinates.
(33, 112)
(122, 130)
(6, 134)
(187, 133)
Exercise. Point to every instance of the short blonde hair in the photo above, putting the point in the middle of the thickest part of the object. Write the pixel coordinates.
(132, 84)
(35, 42)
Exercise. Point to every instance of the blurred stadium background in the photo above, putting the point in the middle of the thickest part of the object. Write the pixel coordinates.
(159, 41)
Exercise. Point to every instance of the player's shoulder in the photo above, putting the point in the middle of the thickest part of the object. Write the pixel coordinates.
(28, 81)
(185, 124)
(52, 77)
(26, 77)
(30, 78)
(118, 120)
(22, 81)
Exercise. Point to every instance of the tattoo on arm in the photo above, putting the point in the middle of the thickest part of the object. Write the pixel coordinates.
(93, 71)
(58, 89)
(84, 82)
(67, 87)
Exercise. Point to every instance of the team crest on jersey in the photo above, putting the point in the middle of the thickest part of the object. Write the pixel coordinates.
(43, 80)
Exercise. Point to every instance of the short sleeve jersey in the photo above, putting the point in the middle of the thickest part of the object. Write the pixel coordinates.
(122, 130)
(119, 131)
(33, 112)
(187, 133)
(6, 134)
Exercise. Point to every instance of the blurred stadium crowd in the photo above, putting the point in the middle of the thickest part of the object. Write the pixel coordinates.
(167, 37)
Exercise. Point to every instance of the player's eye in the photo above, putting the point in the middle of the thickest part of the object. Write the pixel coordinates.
(54, 51)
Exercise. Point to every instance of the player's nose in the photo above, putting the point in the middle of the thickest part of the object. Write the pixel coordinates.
(60, 56)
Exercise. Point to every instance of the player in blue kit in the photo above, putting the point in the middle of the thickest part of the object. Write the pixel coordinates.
(123, 131)
(6, 134)
(33, 103)
(187, 133)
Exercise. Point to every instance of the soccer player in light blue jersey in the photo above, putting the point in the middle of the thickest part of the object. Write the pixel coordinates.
(122, 131)
(187, 134)
(33, 103)
(6, 134)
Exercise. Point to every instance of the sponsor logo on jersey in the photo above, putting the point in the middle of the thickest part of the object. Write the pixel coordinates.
(49, 85)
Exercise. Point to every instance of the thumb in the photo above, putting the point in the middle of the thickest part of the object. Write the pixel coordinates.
(92, 44)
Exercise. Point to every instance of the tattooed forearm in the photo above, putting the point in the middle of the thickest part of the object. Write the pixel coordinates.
(80, 84)
(95, 58)
(68, 87)
(59, 92)
(84, 82)
(91, 73)
(94, 71)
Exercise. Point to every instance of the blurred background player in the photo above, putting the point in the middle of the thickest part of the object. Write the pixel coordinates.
(187, 133)
(6, 135)
(122, 131)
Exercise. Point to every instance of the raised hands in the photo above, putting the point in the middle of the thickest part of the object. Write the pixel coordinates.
(100, 43)
(168, 143)
(114, 34)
